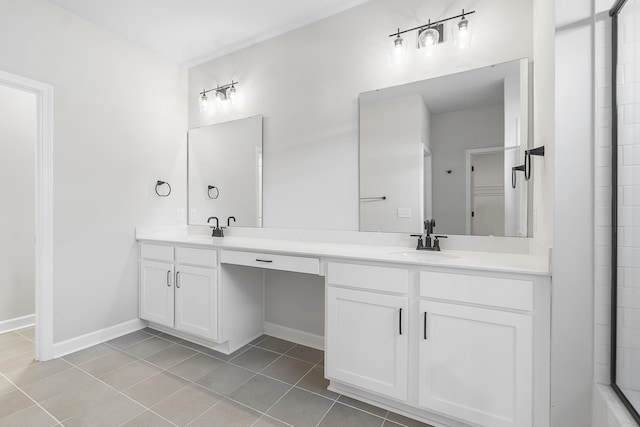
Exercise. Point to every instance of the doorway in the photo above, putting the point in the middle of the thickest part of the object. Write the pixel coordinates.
(43, 207)
(485, 192)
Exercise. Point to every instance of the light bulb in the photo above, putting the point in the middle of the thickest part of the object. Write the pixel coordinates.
(428, 40)
(204, 103)
(233, 94)
(398, 49)
(220, 97)
(462, 34)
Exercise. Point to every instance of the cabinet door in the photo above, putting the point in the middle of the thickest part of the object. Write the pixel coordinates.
(197, 301)
(476, 364)
(367, 340)
(156, 292)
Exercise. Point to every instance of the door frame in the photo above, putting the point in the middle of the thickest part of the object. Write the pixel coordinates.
(469, 154)
(44, 209)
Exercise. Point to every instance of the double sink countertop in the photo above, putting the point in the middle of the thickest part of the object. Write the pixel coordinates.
(527, 263)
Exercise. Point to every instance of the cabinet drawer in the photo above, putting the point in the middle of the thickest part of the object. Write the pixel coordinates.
(156, 252)
(369, 277)
(194, 256)
(271, 261)
(491, 291)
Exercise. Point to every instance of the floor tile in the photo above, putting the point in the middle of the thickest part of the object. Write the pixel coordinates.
(33, 416)
(287, 369)
(276, 344)
(16, 349)
(12, 402)
(129, 339)
(111, 412)
(227, 414)
(404, 421)
(186, 404)
(148, 347)
(105, 364)
(259, 339)
(260, 392)
(56, 384)
(5, 386)
(29, 333)
(36, 371)
(300, 408)
(255, 359)
(78, 399)
(10, 339)
(148, 419)
(305, 353)
(375, 410)
(267, 421)
(152, 331)
(346, 416)
(170, 356)
(171, 338)
(388, 423)
(130, 375)
(316, 382)
(216, 354)
(226, 379)
(16, 362)
(196, 367)
(88, 354)
(156, 388)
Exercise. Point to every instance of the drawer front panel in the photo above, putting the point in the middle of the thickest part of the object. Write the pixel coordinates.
(156, 252)
(369, 277)
(195, 256)
(491, 291)
(271, 261)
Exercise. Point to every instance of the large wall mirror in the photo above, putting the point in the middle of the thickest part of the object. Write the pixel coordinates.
(225, 172)
(444, 148)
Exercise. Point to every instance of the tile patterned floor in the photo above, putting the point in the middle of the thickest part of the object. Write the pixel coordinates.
(149, 378)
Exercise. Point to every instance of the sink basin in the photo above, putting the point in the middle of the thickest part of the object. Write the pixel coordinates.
(425, 256)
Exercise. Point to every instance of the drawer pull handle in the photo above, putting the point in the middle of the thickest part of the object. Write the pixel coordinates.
(400, 322)
(263, 260)
(168, 279)
(425, 325)
(177, 280)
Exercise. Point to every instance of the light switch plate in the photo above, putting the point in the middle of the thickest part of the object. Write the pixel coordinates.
(404, 212)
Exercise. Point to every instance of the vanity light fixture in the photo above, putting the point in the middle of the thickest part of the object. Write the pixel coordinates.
(222, 94)
(431, 34)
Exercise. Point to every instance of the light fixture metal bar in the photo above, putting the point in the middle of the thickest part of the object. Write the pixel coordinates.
(431, 24)
(219, 88)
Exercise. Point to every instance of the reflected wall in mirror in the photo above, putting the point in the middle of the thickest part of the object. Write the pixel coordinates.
(444, 148)
(225, 172)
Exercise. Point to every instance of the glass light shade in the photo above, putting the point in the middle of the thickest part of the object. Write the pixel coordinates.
(398, 50)
(232, 93)
(462, 34)
(220, 97)
(204, 103)
(428, 41)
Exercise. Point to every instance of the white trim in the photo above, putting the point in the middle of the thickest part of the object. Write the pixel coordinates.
(17, 323)
(468, 154)
(44, 209)
(294, 335)
(97, 337)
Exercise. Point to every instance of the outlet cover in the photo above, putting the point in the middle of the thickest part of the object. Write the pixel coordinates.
(404, 212)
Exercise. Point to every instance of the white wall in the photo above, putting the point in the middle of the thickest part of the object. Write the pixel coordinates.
(119, 125)
(451, 135)
(17, 175)
(392, 134)
(306, 84)
(573, 201)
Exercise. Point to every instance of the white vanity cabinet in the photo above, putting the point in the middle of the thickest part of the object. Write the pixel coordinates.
(476, 348)
(179, 288)
(367, 331)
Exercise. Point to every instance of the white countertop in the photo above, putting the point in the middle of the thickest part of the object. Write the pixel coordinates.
(474, 260)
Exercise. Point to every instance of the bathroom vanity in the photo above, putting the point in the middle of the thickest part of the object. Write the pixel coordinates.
(456, 338)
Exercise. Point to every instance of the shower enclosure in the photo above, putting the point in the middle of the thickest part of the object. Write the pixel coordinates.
(625, 208)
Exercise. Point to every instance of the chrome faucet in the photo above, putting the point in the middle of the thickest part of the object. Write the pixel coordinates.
(424, 239)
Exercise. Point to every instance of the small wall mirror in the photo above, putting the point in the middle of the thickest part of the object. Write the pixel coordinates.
(444, 148)
(225, 172)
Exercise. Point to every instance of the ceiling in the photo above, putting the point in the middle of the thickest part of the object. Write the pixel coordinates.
(194, 31)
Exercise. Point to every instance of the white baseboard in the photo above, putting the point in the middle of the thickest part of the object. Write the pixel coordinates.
(93, 338)
(17, 323)
(294, 335)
